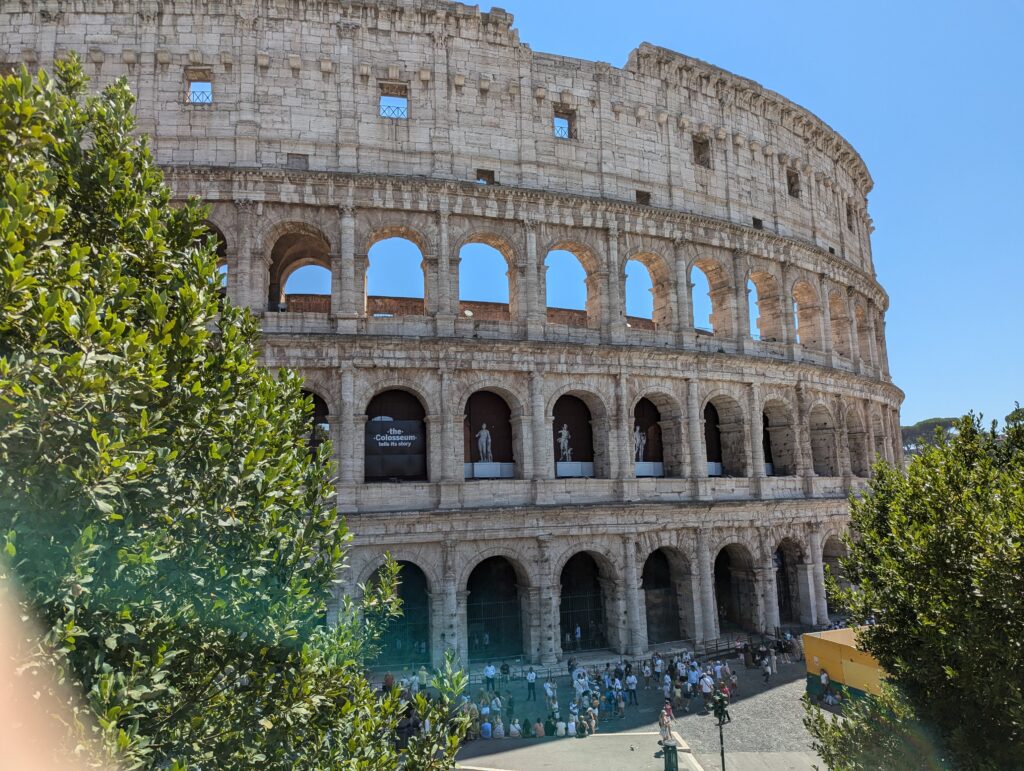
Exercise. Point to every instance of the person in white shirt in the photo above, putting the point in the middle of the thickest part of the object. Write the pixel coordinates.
(570, 727)
(515, 731)
(707, 689)
(631, 688)
(499, 729)
(531, 685)
(666, 685)
(647, 675)
(496, 704)
(560, 728)
(490, 672)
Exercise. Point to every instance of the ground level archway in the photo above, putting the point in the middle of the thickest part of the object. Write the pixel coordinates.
(405, 641)
(494, 619)
(582, 615)
(735, 589)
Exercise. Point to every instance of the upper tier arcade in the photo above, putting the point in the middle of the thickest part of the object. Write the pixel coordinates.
(299, 83)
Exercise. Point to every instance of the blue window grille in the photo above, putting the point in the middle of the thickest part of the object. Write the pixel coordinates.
(200, 92)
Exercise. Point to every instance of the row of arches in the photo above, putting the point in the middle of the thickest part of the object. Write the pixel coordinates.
(396, 281)
(588, 591)
(496, 435)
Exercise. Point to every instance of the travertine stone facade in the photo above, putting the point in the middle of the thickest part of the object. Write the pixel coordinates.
(669, 161)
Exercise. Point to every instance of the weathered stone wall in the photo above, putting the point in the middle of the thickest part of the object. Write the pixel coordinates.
(300, 168)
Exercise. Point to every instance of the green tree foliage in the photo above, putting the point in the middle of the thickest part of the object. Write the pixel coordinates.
(917, 436)
(937, 559)
(160, 509)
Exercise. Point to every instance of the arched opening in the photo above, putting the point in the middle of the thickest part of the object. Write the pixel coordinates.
(779, 439)
(724, 440)
(573, 438)
(320, 430)
(215, 238)
(648, 453)
(487, 437)
(711, 298)
(807, 316)
(878, 429)
(753, 311)
(662, 594)
(396, 438)
(300, 277)
(485, 282)
(395, 279)
(857, 444)
(823, 442)
(405, 641)
(833, 551)
(494, 623)
(308, 290)
(840, 316)
(639, 296)
(735, 589)
(582, 607)
(701, 302)
(863, 336)
(765, 314)
(567, 283)
(794, 606)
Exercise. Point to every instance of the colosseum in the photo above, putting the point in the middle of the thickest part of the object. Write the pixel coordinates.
(550, 478)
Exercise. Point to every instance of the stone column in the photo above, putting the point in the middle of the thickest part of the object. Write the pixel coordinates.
(243, 285)
(550, 639)
(452, 632)
(346, 299)
(526, 454)
(706, 566)
(349, 443)
(872, 338)
(869, 429)
(684, 302)
(622, 436)
(615, 311)
(842, 439)
(543, 441)
(801, 436)
(536, 302)
(358, 456)
(462, 624)
(740, 267)
(635, 642)
(818, 575)
(826, 316)
(788, 324)
(769, 587)
(854, 332)
(807, 594)
(694, 426)
(756, 431)
(447, 298)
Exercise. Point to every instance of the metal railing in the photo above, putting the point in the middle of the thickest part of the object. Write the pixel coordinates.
(565, 132)
(394, 111)
(200, 97)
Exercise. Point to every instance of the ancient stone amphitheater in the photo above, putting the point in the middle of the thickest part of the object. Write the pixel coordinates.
(639, 480)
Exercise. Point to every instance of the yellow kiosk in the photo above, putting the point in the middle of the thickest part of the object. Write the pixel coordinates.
(837, 653)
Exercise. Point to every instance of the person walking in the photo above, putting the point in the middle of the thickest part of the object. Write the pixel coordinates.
(707, 689)
(631, 688)
(766, 669)
(531, 685)
(490, 672)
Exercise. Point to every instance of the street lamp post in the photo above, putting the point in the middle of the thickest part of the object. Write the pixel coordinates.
(720, 707)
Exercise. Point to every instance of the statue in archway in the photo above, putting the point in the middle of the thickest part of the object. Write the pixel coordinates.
(639, 443)
(564, 450)
(483, 444)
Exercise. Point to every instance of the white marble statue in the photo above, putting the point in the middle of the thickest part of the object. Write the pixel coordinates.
(564, 450)
(639, 444)
(483, 444)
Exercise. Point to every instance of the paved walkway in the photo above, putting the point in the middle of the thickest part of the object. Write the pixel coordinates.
(766, 733)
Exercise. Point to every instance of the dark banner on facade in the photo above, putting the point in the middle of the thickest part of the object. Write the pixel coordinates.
(396, 448)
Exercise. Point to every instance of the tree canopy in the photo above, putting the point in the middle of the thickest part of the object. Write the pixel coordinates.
(936, 560)
(161, 510)
(915, 437)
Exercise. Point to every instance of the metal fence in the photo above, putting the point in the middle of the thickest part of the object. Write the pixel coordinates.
(396, 112)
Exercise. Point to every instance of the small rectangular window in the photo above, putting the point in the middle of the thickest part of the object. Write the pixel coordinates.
(565, 125)
(200, 92)
(793, 183)
(297, 161)
(758, 223)
(831, 250)
(394, 101)
(643, 198)
(485, 177)
(702, 152)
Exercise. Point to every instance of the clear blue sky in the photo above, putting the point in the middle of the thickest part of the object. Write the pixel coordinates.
(931, 96)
